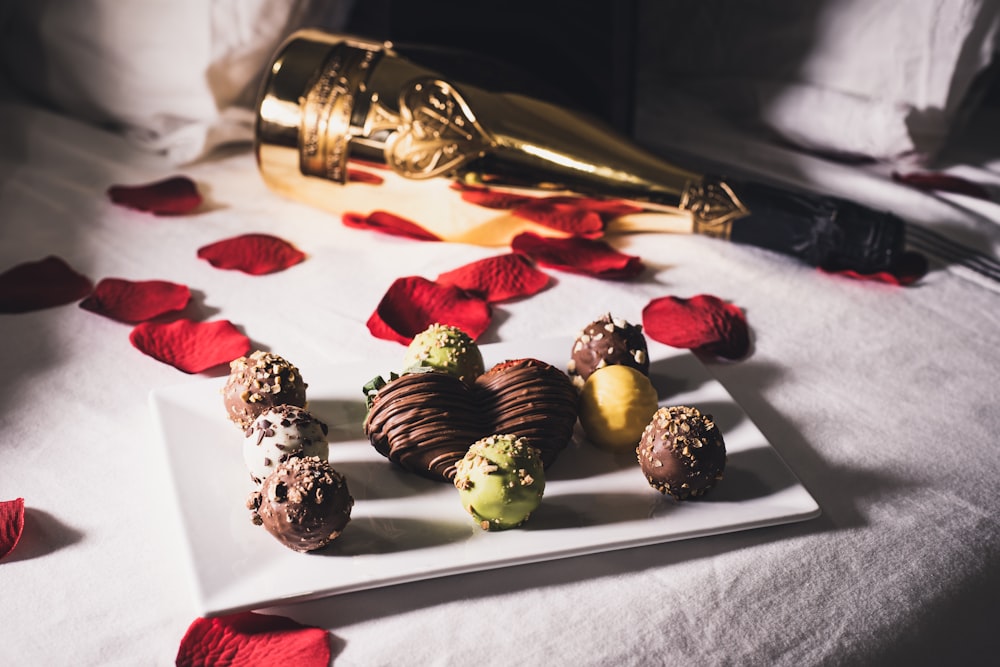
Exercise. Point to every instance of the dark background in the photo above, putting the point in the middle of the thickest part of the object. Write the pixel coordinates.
(584, 50)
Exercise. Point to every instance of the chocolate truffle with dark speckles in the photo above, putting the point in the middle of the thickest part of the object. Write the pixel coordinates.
(258, 383)
(607, 341)
(304, 504)
(682, 452)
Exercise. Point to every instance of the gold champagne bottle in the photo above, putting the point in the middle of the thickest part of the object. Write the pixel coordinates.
(427, 113)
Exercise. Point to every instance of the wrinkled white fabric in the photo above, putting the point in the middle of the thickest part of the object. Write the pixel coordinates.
(177, 77)
(882, 400)
(864, 78)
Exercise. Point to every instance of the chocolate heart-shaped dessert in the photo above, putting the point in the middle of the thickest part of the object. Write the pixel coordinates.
(426, 421)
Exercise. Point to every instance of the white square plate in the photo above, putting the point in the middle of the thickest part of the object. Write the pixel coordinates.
(406, 528)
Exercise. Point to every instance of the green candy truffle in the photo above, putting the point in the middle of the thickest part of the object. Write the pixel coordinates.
(445, 348)
(500, 481)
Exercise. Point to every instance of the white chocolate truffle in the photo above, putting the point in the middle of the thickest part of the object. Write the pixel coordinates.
(280, 434)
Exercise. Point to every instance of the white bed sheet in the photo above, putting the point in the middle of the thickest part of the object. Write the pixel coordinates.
(882, 400)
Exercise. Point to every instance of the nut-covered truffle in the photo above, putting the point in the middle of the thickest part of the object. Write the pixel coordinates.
(258, 383)
(500, 481)
(682, 452)
(445, 348)
(279, 434)
(304, 504)
(607, 341)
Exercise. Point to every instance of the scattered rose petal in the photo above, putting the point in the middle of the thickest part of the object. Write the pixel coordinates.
(249, 638)
(935, 181)
(562, 215)
(11, 524)
(494, 198)
(412, 304)
(128, 301)
(256, 254)
(360, 176)
(388, 223)
(703, 322)
(911, 267)
(172, 196)
(499, 278)
(607, 208)
(41, 284)
(578, 255)
(190, 346)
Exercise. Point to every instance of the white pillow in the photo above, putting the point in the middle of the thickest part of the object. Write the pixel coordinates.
(177, 76)
(875, 78)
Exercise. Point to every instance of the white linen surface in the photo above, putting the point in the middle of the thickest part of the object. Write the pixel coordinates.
(868, 78)
(883, 401)
(178, 77)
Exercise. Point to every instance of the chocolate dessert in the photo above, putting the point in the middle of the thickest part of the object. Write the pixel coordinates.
(280, 433)
(532, 400)
(258, 383)
(426, 421)
(682, 452)
(304, 504)
(607, 341)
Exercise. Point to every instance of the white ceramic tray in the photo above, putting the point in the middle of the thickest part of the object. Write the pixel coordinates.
(406, 528)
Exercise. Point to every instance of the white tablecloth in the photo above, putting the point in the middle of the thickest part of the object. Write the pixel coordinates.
(882, 400)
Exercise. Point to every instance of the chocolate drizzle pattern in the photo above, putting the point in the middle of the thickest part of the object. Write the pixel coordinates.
(426, 422)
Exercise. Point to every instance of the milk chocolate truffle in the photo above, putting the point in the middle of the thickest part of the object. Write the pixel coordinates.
(304, 503)
(260, 382)
(445, 348)
(279, 434)
(607, 341)
(682, 452)
(500, 481)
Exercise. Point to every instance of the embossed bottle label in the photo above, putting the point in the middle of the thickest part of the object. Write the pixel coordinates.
(327, 108)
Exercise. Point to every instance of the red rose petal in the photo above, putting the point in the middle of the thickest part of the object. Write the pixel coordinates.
(42, 284)
(128, 301)
(190, 346)
(172, 196)
(494, 199)
(498, 278)
(359, 176)
(412, 304)
(911, 267)
(564, 215)
(256, 254)
(703, 322)
(388, 223)
(607, 208)
(250, 639)
(934, 181)
(11, 524)
(578, 255)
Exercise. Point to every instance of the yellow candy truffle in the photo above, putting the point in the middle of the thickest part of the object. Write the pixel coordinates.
(616, 403)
